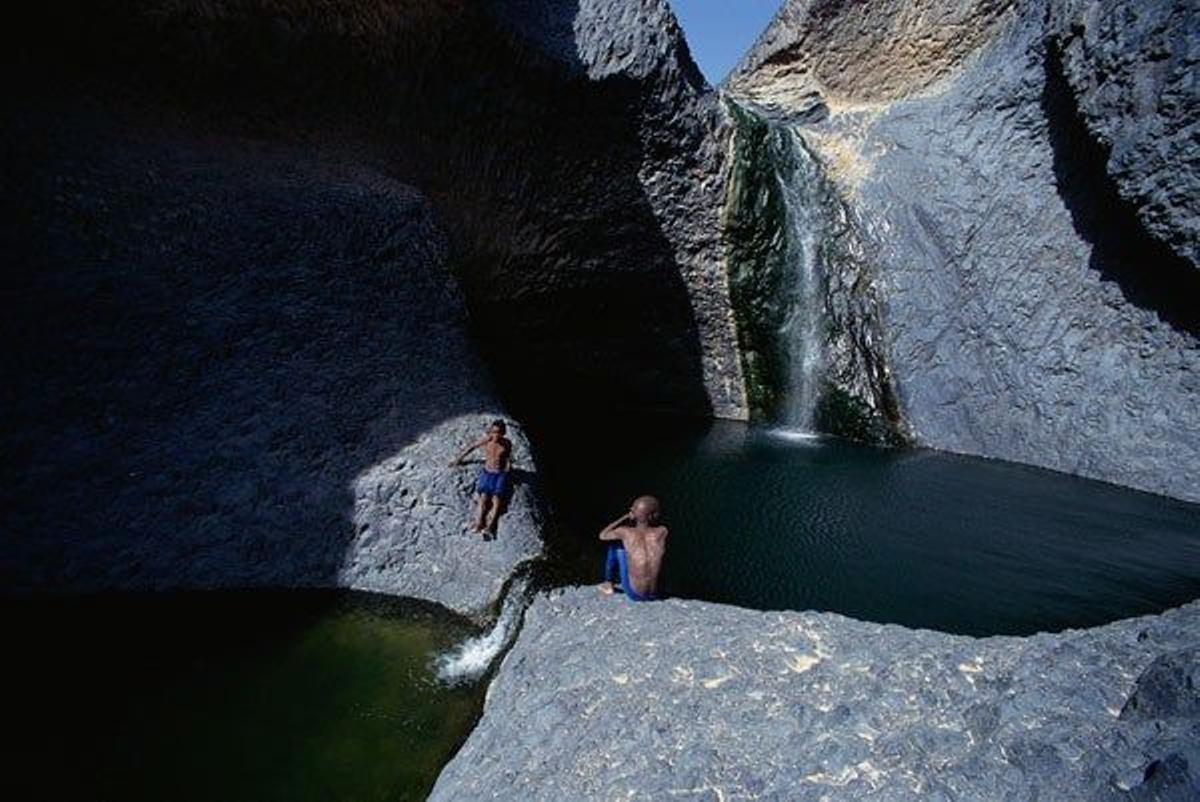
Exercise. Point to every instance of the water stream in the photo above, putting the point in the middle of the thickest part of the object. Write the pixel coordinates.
(803, 331)
(471, 659)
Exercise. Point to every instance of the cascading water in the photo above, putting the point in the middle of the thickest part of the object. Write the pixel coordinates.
(803, 331)
(472, 658)
(803, 289)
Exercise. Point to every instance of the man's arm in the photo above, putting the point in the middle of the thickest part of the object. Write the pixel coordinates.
(612, 531)
(458, 460)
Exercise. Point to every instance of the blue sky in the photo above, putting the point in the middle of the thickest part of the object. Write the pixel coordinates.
(719, 32)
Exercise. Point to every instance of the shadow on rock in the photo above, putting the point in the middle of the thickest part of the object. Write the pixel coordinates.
(1150, 274)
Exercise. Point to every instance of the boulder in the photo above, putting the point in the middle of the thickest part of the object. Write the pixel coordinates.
(601, 698)
(237, 363)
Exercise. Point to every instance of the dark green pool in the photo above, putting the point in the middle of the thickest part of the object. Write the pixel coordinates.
(912, 537)
(287, 695)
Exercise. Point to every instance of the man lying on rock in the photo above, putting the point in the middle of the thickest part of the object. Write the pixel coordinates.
(495, 480)
(636, 544)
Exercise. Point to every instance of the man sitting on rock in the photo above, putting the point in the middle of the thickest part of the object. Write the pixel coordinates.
(636, 544)
(494, 480)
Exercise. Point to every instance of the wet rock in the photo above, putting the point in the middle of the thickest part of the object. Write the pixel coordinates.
(689, 699)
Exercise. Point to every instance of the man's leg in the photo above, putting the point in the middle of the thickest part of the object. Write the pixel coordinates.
(493, 514)
(612, 568)
(481, 512)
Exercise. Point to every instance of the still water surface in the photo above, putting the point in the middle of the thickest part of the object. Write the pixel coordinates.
(774, 521)
(303, 695)
(279, 695)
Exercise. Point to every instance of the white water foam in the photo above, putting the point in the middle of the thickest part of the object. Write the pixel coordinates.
(804, 328)
(796, 436)
(471, 659)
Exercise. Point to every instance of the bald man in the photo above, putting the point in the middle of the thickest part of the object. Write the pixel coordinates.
(636, 544)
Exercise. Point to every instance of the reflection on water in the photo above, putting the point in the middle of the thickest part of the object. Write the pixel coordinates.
(287, 695)
(774, 520)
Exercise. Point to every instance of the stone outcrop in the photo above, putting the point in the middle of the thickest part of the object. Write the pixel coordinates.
(236, 364)
(689, 700)
(1021, 177)
(249, 242)
(1132, 70)
(571, 149)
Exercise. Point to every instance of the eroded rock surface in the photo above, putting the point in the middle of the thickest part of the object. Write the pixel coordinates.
(235, 364)
(603, 699)
(1020, 175)
(237, 344)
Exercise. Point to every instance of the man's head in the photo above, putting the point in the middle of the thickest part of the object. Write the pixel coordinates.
(645, 510)
(497, 428)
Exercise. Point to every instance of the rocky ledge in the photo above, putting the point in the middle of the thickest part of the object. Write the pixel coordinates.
(602, 699)
(236, 363)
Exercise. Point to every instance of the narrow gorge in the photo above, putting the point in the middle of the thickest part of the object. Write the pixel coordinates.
(900, 321)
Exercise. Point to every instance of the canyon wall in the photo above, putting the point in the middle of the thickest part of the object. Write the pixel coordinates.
(265, 248)
(1022, 176)
(234, 363)
(261, 251)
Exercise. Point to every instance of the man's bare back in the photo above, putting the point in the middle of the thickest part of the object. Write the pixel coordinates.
(645, 549)
(645, 543)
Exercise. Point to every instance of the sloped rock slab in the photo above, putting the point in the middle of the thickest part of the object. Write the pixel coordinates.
(414, 522)
(603, 699)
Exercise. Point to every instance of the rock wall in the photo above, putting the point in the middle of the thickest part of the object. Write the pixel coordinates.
(1019, 173)
(244, 233)
(235, 364)
(689, 700)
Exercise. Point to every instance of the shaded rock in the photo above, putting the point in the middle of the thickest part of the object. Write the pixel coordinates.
(572, 151)
(238, 342)
(1167, 780)
(1024, 211)
(1132, 69)
(219, 353)
(1170, 686)
(694, 700)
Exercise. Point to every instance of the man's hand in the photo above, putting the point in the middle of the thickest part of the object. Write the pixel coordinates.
(607, 532)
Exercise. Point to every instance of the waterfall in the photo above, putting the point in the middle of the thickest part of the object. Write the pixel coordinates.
(472, 658)
(802, 333)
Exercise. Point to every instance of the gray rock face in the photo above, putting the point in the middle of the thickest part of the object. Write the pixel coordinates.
(411, 530)
(571, 149)
(232, 363)
(238, 351)
(1033, 307)
(1132, 69)
(603, 699)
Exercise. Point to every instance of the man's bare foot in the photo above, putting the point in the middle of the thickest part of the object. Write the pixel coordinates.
(606, 589)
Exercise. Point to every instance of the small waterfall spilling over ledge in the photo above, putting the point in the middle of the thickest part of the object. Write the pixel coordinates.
(803, 331)
(803, 289)
(472, 658)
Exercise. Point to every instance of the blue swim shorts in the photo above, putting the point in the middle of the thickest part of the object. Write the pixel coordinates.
(492, 483)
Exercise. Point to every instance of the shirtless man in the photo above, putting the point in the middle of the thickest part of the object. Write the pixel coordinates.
(635, 551)
(494, 478)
